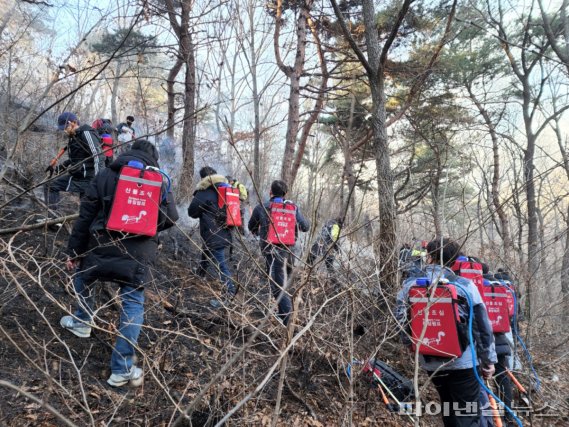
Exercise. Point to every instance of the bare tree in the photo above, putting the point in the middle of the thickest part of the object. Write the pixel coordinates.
(524, 52)
(180, 24)
(294, 73)
(374, 65)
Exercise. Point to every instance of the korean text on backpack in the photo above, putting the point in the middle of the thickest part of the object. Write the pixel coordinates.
(495, 297)
(282, 224)
(437, 307)
(136, 202)
(228, 199)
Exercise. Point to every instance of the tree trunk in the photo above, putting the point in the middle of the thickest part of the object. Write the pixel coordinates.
(294, 73)
(171, 102)
(387, 217)
(435, 200)
(348, 162)
(188, 133)
(565, 270)
(6, 101)
(318, 104)
(564, 279)
(533, 233)
(115, 92)
(291, 126)
(252, 61)
(91, 102)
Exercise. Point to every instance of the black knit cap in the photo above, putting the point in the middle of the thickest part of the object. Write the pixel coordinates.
(147, 147)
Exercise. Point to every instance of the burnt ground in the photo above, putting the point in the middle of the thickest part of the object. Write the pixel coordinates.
(203, 359)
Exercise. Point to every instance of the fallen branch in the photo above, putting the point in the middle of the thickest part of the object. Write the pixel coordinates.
(38, 401)
(29, 227)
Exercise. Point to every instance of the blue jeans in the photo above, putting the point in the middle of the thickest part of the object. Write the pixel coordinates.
(218, 257)
(131, 320)
(275, 259)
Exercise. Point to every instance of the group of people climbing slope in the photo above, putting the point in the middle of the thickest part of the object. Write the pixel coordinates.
(459, 318)
(126, 202)
(276, 223)
(451, 310)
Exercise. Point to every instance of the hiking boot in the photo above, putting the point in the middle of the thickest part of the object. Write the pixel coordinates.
(133, 378)
(76, 327)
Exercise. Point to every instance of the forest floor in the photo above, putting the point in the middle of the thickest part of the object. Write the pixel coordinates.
(209, 360)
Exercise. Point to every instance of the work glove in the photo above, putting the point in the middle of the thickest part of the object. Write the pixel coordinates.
(488, 371)
(57, 169)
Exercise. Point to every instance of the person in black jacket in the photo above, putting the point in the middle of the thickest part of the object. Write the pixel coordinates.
(276, 255)
(86, 160)
(126, 259)
(214, 232)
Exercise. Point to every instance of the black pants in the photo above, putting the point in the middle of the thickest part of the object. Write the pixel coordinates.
(504, 385)
(64, 183)
(275, 260)
(459, 392)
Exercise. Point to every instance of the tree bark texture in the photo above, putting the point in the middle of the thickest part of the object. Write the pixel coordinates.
(294, 74)
(115, 92)
(171, 102)
(186, 56)
(313, 116)
(189, 130)
(387, 214)
(565, 269)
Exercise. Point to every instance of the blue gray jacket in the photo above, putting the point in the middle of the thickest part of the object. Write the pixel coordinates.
(481, 327)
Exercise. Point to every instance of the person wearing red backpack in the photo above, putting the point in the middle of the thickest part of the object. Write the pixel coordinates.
(453, 377)
(277, 223)
(214, 231)
(105, 129)
(504, 352)
(96, 252)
